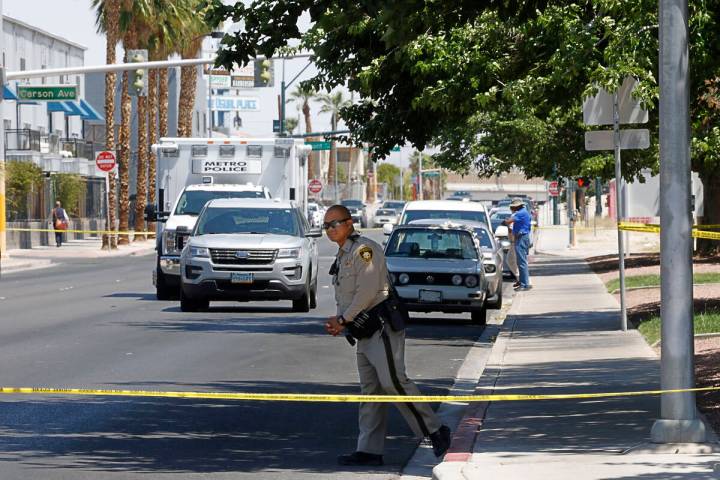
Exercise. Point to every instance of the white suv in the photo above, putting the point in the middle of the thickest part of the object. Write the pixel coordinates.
(248, 249)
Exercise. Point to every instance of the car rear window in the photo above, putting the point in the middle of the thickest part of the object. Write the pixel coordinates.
(432, 243)
(473, 216)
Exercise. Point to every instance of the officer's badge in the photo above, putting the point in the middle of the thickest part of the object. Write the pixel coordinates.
(366, 254)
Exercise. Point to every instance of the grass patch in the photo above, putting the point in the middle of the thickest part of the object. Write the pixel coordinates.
(654, 280)
(708, 322)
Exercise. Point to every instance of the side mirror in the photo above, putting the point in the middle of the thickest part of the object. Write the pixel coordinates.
(388, 228)
(150, 213)
(502, 231)
(505, 244)
(314, 233)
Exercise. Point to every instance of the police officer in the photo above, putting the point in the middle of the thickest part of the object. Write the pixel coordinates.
(361, 283)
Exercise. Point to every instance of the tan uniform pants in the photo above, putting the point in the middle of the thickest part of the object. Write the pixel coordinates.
(381, 365)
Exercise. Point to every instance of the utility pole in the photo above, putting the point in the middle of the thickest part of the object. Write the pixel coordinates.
(571, 211)
(420, 176)
(679, 422)
(3, 242)
(618, 199)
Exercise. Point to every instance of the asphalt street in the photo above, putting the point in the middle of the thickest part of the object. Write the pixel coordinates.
(96, 324)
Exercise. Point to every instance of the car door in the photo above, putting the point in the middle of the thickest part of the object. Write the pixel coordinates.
(308, 243)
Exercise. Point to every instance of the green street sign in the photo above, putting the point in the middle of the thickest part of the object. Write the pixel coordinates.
(47, 93)
(431, 174)
(396, 148)
(320, 145)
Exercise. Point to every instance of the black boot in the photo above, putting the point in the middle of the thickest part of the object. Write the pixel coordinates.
(361, 459)
(441, 440)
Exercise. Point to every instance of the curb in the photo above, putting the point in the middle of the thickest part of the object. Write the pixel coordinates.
(650, 287)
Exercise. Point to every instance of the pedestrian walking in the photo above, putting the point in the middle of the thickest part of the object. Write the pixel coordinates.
(60, 221)
(521, 228)
(365, 302)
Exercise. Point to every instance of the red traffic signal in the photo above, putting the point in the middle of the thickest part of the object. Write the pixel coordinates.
(583, 182)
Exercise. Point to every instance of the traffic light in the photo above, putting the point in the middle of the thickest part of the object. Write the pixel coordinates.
(583, 182)
(138, 80)
(264, 71)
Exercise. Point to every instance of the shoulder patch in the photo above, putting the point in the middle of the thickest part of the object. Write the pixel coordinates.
(366, 254)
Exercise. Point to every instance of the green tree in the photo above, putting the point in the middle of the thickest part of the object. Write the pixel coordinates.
(291, 123)
(303, 95)
(21, 180)
(389, 174)
(333, 103)
(69, 188)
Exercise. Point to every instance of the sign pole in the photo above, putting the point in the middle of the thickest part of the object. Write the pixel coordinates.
(679, 422)
(618, 204)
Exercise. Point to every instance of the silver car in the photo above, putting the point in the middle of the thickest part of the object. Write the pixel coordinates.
(385, 215)
(438, 267)
(250, 250)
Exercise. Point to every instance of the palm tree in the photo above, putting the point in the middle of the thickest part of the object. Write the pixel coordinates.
(303, 95)
(332, 103)
(291, 124)
(108, 22)
(194, 30)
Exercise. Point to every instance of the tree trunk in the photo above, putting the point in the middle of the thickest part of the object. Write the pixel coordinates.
(152, 137)
(711, 209)
(110, 79)
(308, 129)
(124, 157)
(163, 103)
(142, 166)
(188, 82)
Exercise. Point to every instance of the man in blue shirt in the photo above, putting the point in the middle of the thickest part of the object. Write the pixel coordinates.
(521, 226)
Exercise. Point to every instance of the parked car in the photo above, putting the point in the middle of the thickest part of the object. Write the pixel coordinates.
(385, 216)
(315, 214)
(396, 205)
(442, 209)
(250, 250)
(438, 268)
(497, 218)
(358, 211)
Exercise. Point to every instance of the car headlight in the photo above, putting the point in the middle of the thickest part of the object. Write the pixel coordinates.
(489, 267)
(169, 241)
(471, 281)
(289, 253)
(404, 278)
(199, 252)
(457, 280)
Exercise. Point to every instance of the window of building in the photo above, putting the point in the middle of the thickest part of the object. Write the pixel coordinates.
(199, 150)
(22, 64)
(7, 124)
(204, 124)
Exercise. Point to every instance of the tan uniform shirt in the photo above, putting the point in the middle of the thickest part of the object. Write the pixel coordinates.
(362, 279)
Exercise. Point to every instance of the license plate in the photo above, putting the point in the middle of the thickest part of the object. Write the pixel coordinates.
(237, 277)
(430, 296)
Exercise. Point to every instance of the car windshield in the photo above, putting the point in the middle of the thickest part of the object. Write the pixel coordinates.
(279, 221)
(394, 205)
(432, 243)
(386, 212)
(473, 216)
(352, 203)
(192, 201)
(500, 215)
(484, 237)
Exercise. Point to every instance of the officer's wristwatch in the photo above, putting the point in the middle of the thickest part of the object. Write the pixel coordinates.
(341, 320)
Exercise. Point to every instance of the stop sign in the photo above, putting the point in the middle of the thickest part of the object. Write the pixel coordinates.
(315, 186)
(105, 161)
(553, 189)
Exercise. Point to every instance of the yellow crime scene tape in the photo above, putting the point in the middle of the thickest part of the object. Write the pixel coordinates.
(98, 232)
(651, 228)
(299, 397)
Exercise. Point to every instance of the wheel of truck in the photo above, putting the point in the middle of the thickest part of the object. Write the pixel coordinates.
(497, 304)
(163, 291)
(188, 304)
(313, 295)
(302, 304)
(479, 316)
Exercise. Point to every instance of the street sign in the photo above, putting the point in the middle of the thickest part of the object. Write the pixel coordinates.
(631, 139)
(276, 126)
(105, 160)
(319, 145)
(553, 189)
(598, 110)
(47, 93)
(315, 186)
(219, 81)
(396, 148)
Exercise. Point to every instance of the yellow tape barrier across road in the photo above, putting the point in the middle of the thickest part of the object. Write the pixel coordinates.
(298, 397)
(649, 228)
(98, 232)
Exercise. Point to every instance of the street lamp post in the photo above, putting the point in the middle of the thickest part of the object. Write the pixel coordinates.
(679, 422)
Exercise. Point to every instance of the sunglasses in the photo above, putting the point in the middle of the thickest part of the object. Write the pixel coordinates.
(334, 223)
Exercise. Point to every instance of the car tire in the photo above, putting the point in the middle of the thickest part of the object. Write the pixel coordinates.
(163, 291)
(188, 304)
(302, 304)
(313, 294)
(479, 316)
(497, 304)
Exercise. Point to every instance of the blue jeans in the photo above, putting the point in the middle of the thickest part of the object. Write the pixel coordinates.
(522, 248)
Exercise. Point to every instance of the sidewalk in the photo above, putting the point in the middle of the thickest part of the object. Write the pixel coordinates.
(563, 337)
(48, 256)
